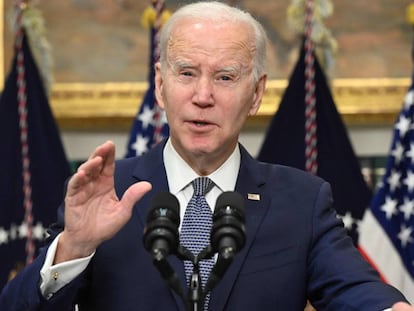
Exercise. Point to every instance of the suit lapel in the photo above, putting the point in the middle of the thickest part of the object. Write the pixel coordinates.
(150, 167)
(250, 184)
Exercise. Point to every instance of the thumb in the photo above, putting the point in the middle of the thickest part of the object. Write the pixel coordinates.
(134, 193)
(402, 306)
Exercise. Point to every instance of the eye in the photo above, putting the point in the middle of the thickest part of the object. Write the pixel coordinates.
(186, 73)
(226, 78)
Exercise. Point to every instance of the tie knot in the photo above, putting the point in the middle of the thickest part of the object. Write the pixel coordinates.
(202, 185)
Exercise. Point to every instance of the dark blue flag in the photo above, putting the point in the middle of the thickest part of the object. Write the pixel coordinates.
(150, 125)
(27, 203)
(284, 144)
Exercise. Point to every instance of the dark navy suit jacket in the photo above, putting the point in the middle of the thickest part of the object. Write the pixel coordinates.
(296, 249)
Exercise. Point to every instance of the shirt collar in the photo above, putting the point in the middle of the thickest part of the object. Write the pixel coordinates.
(180, 174)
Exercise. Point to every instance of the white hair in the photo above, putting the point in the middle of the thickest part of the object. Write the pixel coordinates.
(217, 11)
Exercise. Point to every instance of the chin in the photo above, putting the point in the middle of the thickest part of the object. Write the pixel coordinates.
(201, 147)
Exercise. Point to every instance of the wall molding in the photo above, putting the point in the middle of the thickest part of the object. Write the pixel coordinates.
(113, 106)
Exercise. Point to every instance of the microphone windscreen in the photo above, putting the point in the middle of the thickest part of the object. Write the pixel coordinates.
(165, 204)
(232, 200)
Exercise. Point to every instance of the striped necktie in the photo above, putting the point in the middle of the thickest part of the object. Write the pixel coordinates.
(196, 228)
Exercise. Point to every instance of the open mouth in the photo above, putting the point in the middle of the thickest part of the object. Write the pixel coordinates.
(198, 123)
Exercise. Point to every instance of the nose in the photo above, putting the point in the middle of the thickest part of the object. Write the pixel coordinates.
(203, 92)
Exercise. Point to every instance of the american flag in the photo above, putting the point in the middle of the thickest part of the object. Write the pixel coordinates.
(387, 236)
(150, 125)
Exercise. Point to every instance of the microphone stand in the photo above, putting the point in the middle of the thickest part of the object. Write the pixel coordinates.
(196, 294)
(195, 297)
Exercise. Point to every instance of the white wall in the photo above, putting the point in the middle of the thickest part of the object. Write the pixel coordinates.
(367, 141)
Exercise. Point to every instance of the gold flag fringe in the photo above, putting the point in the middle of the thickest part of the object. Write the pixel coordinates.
(325, 45)
(33, 23)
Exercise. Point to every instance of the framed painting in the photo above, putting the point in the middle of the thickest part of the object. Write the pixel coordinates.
(100, 52)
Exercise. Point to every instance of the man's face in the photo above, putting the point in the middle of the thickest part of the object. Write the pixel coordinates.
(207, 88)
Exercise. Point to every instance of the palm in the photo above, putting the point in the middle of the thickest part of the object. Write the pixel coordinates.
(93, 212)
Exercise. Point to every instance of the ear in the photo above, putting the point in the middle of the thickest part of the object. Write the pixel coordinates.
(159, 85)
(258, 95)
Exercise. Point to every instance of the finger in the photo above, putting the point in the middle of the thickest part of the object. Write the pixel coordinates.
(91, 168)
(134, 193)
(103, 149)
(103, 156)
(76, 183)
(86, 173)
(109, 159)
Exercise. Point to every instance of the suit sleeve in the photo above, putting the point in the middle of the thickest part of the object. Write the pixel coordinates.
(339, 278)
(23, 292)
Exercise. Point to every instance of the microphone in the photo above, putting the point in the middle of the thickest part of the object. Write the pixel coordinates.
(228, 234)
(161, 236)
(161, 232)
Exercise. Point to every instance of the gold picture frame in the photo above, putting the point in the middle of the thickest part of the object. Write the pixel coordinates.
(113, 106)
(85, 106)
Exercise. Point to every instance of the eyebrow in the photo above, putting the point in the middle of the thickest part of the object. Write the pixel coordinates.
(230, 69)
(180, 64)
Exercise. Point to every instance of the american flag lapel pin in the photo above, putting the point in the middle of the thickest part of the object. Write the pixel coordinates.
(253, 196)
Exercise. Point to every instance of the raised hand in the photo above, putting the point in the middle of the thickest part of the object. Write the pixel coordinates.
(93, 212)
(402, 306)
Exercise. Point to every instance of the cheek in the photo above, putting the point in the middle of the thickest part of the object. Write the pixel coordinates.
(241, 108)
(175, 92)
(234, 119)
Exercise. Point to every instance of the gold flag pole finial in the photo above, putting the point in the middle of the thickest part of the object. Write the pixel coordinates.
(409, 15)
(150, 15)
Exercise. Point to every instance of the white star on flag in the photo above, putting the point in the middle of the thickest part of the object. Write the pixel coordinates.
(394, 180)
(409, 181)
(348, 220)
(403, 125)
(39, 231)
(4, 237)
(146, 117)
(410, 153)
(390, 207)
(141, 144)
(409, 99)
(407, 208)
(23, 230)
(405, 235)
(398, 152)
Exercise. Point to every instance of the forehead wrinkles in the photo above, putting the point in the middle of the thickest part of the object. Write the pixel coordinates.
(228, 43)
